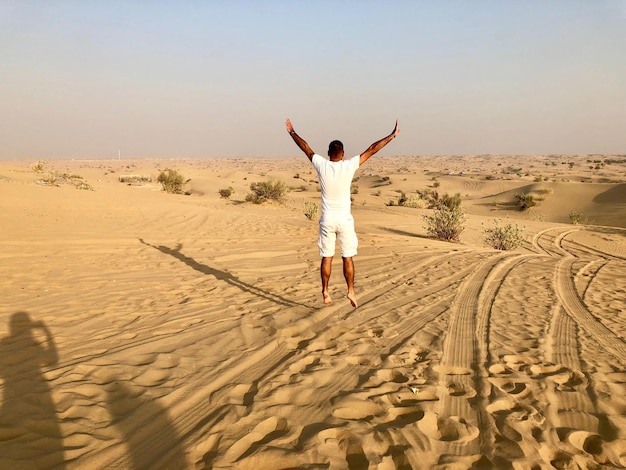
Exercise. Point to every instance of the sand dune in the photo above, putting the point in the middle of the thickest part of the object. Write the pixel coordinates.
(147, 330)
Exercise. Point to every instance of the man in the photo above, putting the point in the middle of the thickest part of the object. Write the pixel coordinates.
(335, 178)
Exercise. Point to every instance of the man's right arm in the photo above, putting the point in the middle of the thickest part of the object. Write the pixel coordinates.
(379, 144)
(300, 142)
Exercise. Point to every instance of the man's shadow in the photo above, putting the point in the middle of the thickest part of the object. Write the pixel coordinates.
(223, 276)
(28, 414)
(151, 439)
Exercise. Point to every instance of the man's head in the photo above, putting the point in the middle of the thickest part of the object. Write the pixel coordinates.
(335, 150)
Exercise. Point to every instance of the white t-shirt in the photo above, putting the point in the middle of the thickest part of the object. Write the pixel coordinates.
(335, 180)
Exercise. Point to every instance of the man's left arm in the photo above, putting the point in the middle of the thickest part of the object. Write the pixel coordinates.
(376, 146)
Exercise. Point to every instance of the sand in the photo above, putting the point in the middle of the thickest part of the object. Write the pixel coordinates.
(141, 329)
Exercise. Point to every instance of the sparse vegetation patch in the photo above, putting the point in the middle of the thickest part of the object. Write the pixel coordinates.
(311, 210)
(503, 237)
(577, 217)
(445, 224)
(525, 201)
(172, 181)
(226, 193)
(267, 191)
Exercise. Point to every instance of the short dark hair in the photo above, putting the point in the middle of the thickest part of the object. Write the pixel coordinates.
(335, 148)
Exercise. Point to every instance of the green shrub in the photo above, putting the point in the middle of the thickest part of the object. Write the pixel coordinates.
(445, 224)
(506, 237)
(577, 217)
(227, 192)
(267, 191)
(310, 210)
(525, 201)
(451, 202)
(172, 181)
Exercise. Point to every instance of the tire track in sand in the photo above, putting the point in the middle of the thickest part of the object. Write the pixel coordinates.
(546, 243)
(566, 292)
(464, 358)
(348, 379)
(201, 412)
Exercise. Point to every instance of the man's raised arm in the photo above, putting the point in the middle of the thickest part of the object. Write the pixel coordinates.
(300, 142)
(376, 146)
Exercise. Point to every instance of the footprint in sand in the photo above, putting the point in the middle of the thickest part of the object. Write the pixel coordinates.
(141, 359)
(264, 432)
(304, 364)
(412, 396)
(457, 389)
(360, 410)
(243, 394)
(152, 377)
(342, 447)
(453, 428)
(509, 386)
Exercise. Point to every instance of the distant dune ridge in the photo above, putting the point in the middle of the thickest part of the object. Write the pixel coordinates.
(141, 329)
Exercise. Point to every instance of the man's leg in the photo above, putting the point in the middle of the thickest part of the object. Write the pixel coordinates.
(348, 273)
(325, 269)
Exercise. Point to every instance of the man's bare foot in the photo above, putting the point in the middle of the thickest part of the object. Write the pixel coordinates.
(327, 299)
(352, 298)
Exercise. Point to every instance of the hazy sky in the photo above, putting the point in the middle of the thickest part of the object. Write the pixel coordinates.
(84, 79)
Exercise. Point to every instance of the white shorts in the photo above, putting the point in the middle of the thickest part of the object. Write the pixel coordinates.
(341, 227)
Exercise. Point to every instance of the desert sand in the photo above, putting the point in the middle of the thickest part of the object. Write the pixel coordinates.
(144, 330)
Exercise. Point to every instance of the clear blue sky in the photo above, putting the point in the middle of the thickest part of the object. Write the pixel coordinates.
(82, 79)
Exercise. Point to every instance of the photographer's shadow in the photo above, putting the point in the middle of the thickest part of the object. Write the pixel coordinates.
(31, 435)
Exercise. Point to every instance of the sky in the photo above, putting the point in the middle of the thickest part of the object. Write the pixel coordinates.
(169, 79)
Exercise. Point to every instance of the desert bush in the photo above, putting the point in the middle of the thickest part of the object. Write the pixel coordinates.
(525, 201)
(384, 181)
(172, 181)
(414, 201)
(503, 237)
(310, 210)
(267, 191)
(134, 179)
(577, 217)
(544, 191)
(83, 186)
(39, 167)
(445, 224)
(50, 178)
(226, 192)
(451, 202)
(354, 188)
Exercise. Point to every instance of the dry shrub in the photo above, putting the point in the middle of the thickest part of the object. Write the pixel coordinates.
(172, 181)
(227, 192)
(503, 237)
(445, 224)
(577, 217)
(310, 210)
(525, 201)
(267, 191)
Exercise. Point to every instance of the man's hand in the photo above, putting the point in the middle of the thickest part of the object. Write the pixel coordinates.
(300, 142)
(376, 146)
(396, 130)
